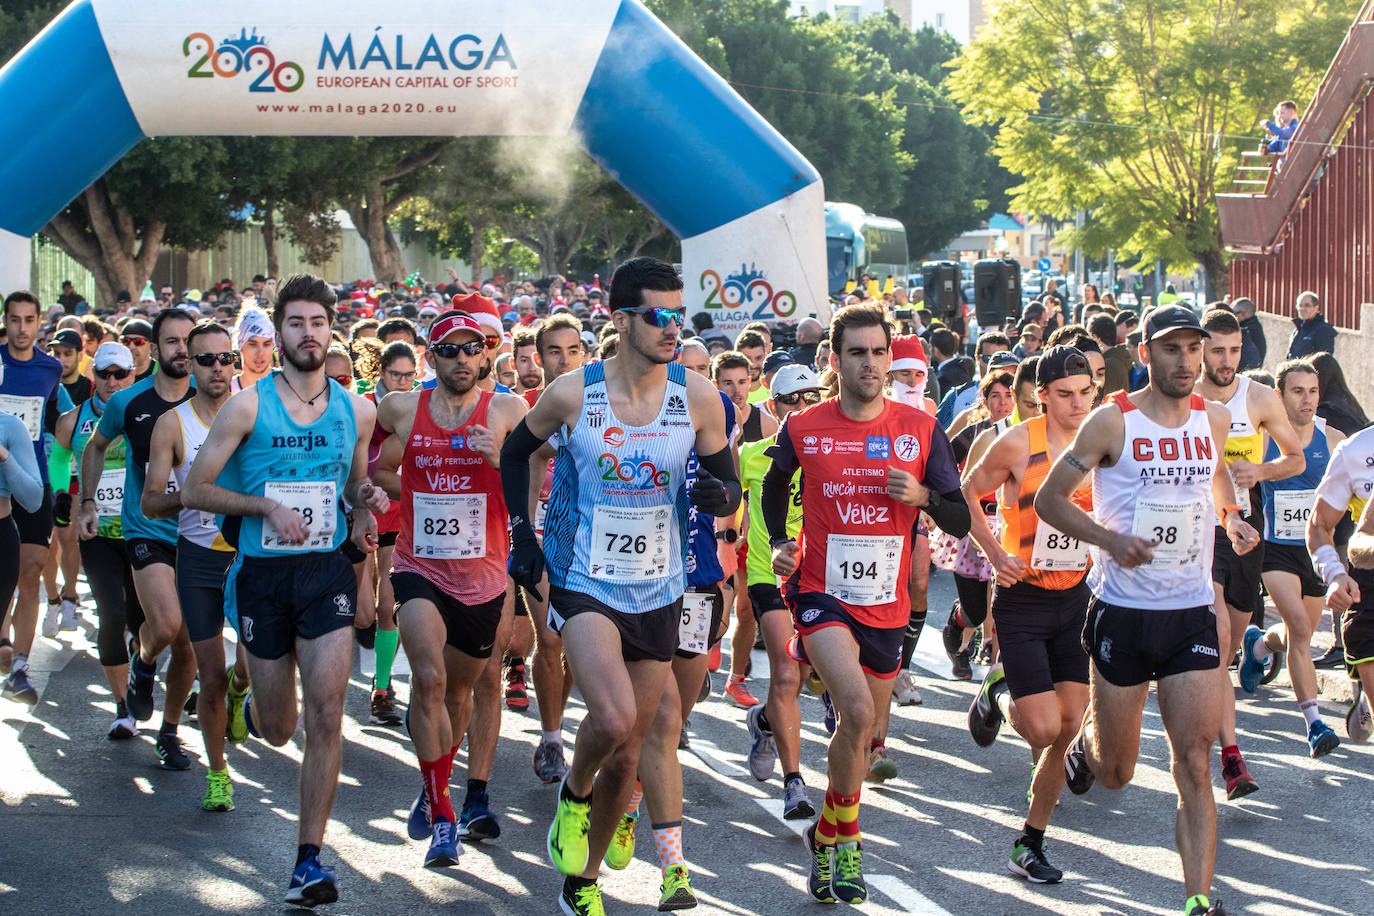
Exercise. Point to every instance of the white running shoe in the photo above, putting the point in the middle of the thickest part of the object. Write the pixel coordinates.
(904, 692)
(68, 615)
(50, 620)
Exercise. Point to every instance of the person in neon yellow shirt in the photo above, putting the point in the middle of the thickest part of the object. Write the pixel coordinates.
(775, 726)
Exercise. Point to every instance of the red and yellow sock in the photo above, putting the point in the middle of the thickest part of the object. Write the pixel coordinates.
(825, 827)
(846, 809)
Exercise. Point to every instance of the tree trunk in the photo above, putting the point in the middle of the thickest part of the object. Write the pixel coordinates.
(106, 243)
(1218, 273)
(477, 250)
(269, 238)
(369, 218)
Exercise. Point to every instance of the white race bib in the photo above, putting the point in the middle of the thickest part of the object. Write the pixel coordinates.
(1292, 509)
(541, 509)
(630, 544)
(1056, 551)
(1175, 527)
(863, 570)
(314, 501)
(1242, 497)
(109, 493)
(450, 526)
(29, 410)
(694, 631)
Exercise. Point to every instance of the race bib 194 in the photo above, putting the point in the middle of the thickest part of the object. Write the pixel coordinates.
(863, 570)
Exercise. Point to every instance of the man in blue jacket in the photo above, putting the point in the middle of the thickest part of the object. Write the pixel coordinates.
(1312, 333)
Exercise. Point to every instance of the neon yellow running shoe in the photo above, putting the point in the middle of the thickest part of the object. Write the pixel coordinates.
(219, 791)
(675, 893)
(582, 901)
(236, 726)
(622, 848)
(568, 834)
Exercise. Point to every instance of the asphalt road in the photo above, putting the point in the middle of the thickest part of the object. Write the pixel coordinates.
(91, 826)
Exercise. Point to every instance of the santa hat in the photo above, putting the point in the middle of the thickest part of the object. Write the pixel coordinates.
(907, 353)
(480, 308)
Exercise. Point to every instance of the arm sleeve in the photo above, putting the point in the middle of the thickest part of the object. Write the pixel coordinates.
(60, 468)
(721, 466)
(950, 511)
(21, 470)
(516, 452)
(777, 484)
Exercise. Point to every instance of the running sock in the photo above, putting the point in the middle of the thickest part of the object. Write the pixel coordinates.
(846, 817)
(825, 827)
(914, 625)
(476, 787)
(1032, 836)
(1310, 711)
(554, 737)
(305, 851)
(668, 841)
(763, 721)
(636, 796)
(1195, 901)
(144, 670)
(1002, 697)
(576, 882)
(121, 709)
(788, 777)
(385, 648)
(570, 795)
(19, 661)
(168, 728)
(434, 773)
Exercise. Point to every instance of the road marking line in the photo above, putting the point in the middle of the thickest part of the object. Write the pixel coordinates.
(774, 807)
(906, 897)
(714, 758)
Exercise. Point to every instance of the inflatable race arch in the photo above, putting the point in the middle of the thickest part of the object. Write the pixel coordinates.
(107, 73)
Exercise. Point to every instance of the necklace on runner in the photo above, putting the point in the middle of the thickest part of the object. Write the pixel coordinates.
(311, 402)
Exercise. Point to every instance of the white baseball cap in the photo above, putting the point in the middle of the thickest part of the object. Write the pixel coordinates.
(793, 378)
(113, 354)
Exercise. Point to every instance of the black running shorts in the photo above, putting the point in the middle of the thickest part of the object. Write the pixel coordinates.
(1292, 558)
(469, 628)
(1131, 646)
(145, 552)
(1040, 636)
(646, 636)
(880, 650)
(1239, 577)
(200, 588)
(273, 601)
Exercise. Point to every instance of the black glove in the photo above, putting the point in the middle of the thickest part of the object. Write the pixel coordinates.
(709, 494)
(526, 559)
(62, 509)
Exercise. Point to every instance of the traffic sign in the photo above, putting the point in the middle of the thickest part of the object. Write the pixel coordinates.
(1043, 264)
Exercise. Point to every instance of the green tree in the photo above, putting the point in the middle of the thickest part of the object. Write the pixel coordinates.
(1137, 111)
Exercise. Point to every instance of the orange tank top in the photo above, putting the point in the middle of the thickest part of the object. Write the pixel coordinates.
(1053, 559)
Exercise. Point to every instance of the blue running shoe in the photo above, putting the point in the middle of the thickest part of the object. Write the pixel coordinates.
(444, 846)
(138, 696)
(312, 884)
(1322, 738)
(1250, 670)
(830, 718)
(417, 824)
(476, 822)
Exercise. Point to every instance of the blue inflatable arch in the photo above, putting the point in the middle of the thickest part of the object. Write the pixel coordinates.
(107, 73)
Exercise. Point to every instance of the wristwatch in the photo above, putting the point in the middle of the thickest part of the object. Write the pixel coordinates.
(729, 535)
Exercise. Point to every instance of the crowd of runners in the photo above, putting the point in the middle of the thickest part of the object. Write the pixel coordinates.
(535, 499)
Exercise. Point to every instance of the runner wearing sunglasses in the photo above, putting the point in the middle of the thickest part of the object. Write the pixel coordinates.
(203, 556)
(137, 335)
(614, 548)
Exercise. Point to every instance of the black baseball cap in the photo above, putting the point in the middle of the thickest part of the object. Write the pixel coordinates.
(1169, 318)
(776, 360)
(1003, 359)
(1060, 362)
(66, 338)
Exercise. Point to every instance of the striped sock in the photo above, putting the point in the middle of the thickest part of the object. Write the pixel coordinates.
(668, 840)
(632, 807)
(846, 817)
(825, 827)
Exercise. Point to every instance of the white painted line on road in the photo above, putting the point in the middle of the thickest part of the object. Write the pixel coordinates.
(712, 756)
(905, 896)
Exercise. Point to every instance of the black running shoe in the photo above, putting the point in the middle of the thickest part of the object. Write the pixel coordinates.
(1077, 775)
(818, 881)
(1332, 658)
(963, 667)
(139, 697)
(952, 635)
(170, 753)
(1030, 863)
(1214, 908)
(985, 716)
